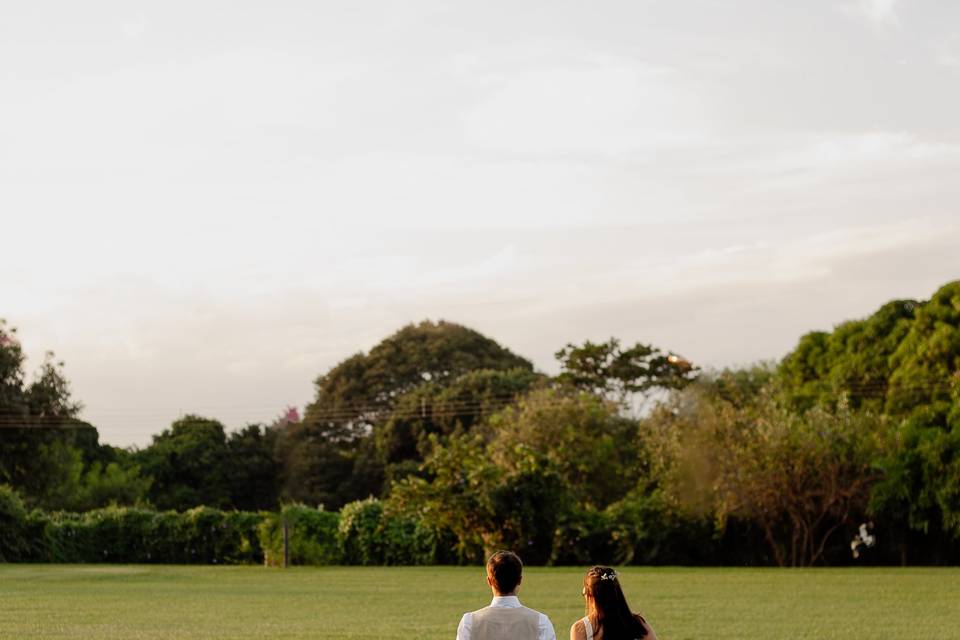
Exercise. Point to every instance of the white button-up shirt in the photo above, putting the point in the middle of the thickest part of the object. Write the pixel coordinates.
(546, 631)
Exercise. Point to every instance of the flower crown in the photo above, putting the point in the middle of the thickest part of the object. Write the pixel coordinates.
(609, 575)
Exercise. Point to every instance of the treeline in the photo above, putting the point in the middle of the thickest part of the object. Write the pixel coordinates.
(461, 446)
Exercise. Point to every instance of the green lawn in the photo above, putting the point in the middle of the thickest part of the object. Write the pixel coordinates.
(141, 602)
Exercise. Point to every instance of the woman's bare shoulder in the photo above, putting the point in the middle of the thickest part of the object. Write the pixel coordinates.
(577, 630)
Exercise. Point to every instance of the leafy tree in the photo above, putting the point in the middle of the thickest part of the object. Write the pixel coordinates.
(112, 483)
(365, 386)
(801, 477)
(853, 360)
(920, 490)
(316, 463)
(335, 456)
(39, 432)
(459, 406)
(189, 465)
(609, 370)
(580, 437)
(254, 473)
(926, 363)
(457, 498)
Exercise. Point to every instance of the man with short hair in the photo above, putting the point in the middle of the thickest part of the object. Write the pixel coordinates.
(505, 618)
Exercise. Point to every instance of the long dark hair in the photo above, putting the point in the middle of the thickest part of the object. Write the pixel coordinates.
(611, 612)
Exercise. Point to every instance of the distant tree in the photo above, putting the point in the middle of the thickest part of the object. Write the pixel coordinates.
(581, 438)
(920, 490)
(39, 431)
(483, 506)
(189, 465)
(926, 363)
(334, 455)
(316, 463)
(458, 406)
(363, 388)
(800, 477)
(616, 373)
(853, 360)
(254, 473)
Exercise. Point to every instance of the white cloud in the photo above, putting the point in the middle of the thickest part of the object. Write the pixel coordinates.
(947, 52)
(879, 12)
(594, 104)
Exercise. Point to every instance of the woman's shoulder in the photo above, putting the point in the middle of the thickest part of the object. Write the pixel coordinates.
(578, 631)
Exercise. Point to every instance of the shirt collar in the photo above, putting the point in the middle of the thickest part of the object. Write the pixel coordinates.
(509, 602)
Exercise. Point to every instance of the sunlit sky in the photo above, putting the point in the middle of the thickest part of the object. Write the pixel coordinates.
(205, 205)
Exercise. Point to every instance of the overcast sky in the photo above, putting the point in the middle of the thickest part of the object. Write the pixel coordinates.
(205, 205)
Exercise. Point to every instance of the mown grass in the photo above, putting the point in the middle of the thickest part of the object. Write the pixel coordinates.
(170, 602)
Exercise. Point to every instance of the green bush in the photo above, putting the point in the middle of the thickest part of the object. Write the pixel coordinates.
(312, 536)
(408, 541)
(13, 526)
(584, 537)
(645, 529)
(120, 534)
(370, 535)
(361, 532)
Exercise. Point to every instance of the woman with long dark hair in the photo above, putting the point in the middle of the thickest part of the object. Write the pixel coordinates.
(608, 615)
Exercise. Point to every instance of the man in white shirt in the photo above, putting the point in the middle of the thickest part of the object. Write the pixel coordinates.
(505, 618)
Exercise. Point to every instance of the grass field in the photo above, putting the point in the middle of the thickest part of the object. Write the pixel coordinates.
(146, 602)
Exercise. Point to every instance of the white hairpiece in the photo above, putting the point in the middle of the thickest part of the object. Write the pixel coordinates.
(612, 575)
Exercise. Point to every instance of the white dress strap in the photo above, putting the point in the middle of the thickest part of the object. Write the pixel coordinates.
(588, 628)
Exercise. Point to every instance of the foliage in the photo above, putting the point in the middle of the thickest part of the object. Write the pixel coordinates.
(38, 427)
(189, 465)
(365, 385)
(446, 408)
(457, 498)
(921, 483)
(254, 472)
(334, 455)
(124, 534)
(801, 477)
(316, 463)
(926, 363)
(13, 516)
(361, 533)
(608, 370)
(312, 535)
(580, 436)
(903, 360)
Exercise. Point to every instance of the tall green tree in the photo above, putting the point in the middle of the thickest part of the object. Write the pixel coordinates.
(254, 472)
(339, 451)
(801, 477)
(40, 435)
(363, 388)
(189, 465)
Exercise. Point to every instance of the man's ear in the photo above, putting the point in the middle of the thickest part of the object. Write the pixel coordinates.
(489, 581)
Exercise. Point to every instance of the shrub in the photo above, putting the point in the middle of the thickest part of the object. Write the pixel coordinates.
(312, 536)
(361, 534)
(13, 526)
(119, 534)
(408, 541)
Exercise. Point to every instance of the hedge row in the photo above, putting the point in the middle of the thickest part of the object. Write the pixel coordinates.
(360, 534)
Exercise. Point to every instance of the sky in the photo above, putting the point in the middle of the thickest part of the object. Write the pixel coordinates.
(206, 205)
